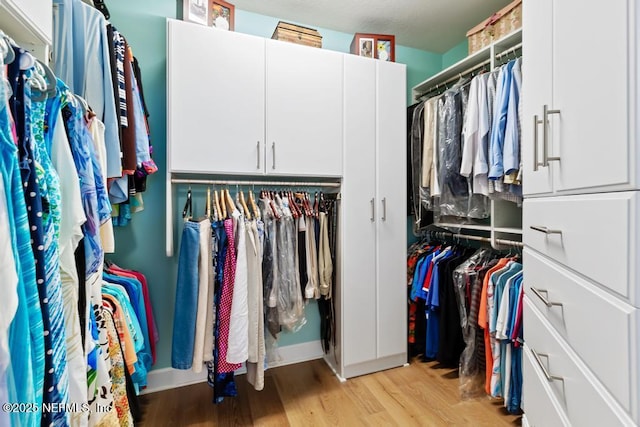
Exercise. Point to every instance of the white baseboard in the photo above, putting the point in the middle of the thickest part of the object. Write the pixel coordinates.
(167, 378)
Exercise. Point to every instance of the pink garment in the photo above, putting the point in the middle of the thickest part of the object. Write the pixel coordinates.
(151, 321)
(226, 300)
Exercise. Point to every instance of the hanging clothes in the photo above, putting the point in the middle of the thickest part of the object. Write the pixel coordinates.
(256, 340)
(468, 143)
(259, 264)
(463, 290)
(25, 333)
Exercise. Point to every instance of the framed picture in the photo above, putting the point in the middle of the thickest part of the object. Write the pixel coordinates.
(379, 46)
(221, 14)
(366, 47)
(384, 50)
(196, 11)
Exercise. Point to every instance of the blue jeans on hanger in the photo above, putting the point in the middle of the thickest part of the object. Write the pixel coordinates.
(184, 318)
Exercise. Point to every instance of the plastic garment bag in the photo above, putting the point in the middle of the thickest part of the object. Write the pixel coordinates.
(456, 198)
(468, 287)
(416, 162)
(289, 302)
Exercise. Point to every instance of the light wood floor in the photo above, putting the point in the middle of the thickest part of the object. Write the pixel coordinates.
(308, 394)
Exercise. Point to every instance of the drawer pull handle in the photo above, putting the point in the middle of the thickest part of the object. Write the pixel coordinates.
(545, 230)
(544, 369)
(539, 292)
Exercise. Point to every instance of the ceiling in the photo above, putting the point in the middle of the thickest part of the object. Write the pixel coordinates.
(432, 25)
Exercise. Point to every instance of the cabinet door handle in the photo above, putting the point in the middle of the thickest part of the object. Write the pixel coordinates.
(536, 163)
(545, 371)
(384, 208)
(545, 136)
(373, 209)
(273, 150)
(543, 298)
(545, 230)
(258, 154)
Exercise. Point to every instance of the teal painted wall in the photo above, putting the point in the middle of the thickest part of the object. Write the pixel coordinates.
(455, 54)
(420, 64)
(141, 244)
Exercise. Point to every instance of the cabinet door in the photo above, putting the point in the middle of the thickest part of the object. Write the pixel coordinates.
(304, 110)
(391, 209)
(358, 205)
(536, 91)
(215, 100)
(594, 98)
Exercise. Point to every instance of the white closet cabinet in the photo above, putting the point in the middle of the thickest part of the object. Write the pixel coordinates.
(371, 328)
(215, 100)
(243, 105)
(391, 195)
(580, 214)
(304, 110)
(582, 108)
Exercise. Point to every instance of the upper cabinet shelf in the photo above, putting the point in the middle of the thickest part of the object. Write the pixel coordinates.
(484, 56)
(29, 23)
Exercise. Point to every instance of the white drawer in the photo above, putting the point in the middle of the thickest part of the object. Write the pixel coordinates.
(600, 328)
(585, 401)
(590, 234)
(540, 406)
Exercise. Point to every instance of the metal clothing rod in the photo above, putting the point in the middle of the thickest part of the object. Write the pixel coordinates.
(456, 77)
(263, 183)
(488, 240)
(508, 51)
(478, 238)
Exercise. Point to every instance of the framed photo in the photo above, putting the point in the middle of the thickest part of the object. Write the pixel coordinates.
(221, 14)
(366, 47)
(384, 50)
(379, 46)
(196, 11)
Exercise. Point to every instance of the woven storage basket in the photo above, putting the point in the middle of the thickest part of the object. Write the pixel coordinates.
(498, 25)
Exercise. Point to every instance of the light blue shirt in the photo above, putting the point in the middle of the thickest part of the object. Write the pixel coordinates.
(82, 61)
(500, 109)
(142, 136)
(511, 152)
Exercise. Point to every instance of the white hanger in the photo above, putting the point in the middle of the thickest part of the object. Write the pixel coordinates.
(8, 55)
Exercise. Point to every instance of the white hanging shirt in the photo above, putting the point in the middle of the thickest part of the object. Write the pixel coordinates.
(238, 345)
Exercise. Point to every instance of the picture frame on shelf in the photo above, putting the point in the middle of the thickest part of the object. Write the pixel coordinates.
(384, 50)
(366, 47)
(196, 11)
(384, 46)
(221, 15)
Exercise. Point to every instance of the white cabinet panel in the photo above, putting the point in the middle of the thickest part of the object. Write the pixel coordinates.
(216, 100)
(593, 125)
(391, 208)
(304, 110)
(541, 408)
(358, 218)
(583, 310)
(34, 16)
(39, 12)
(590, 234)
(536, 89)
(582, 397)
